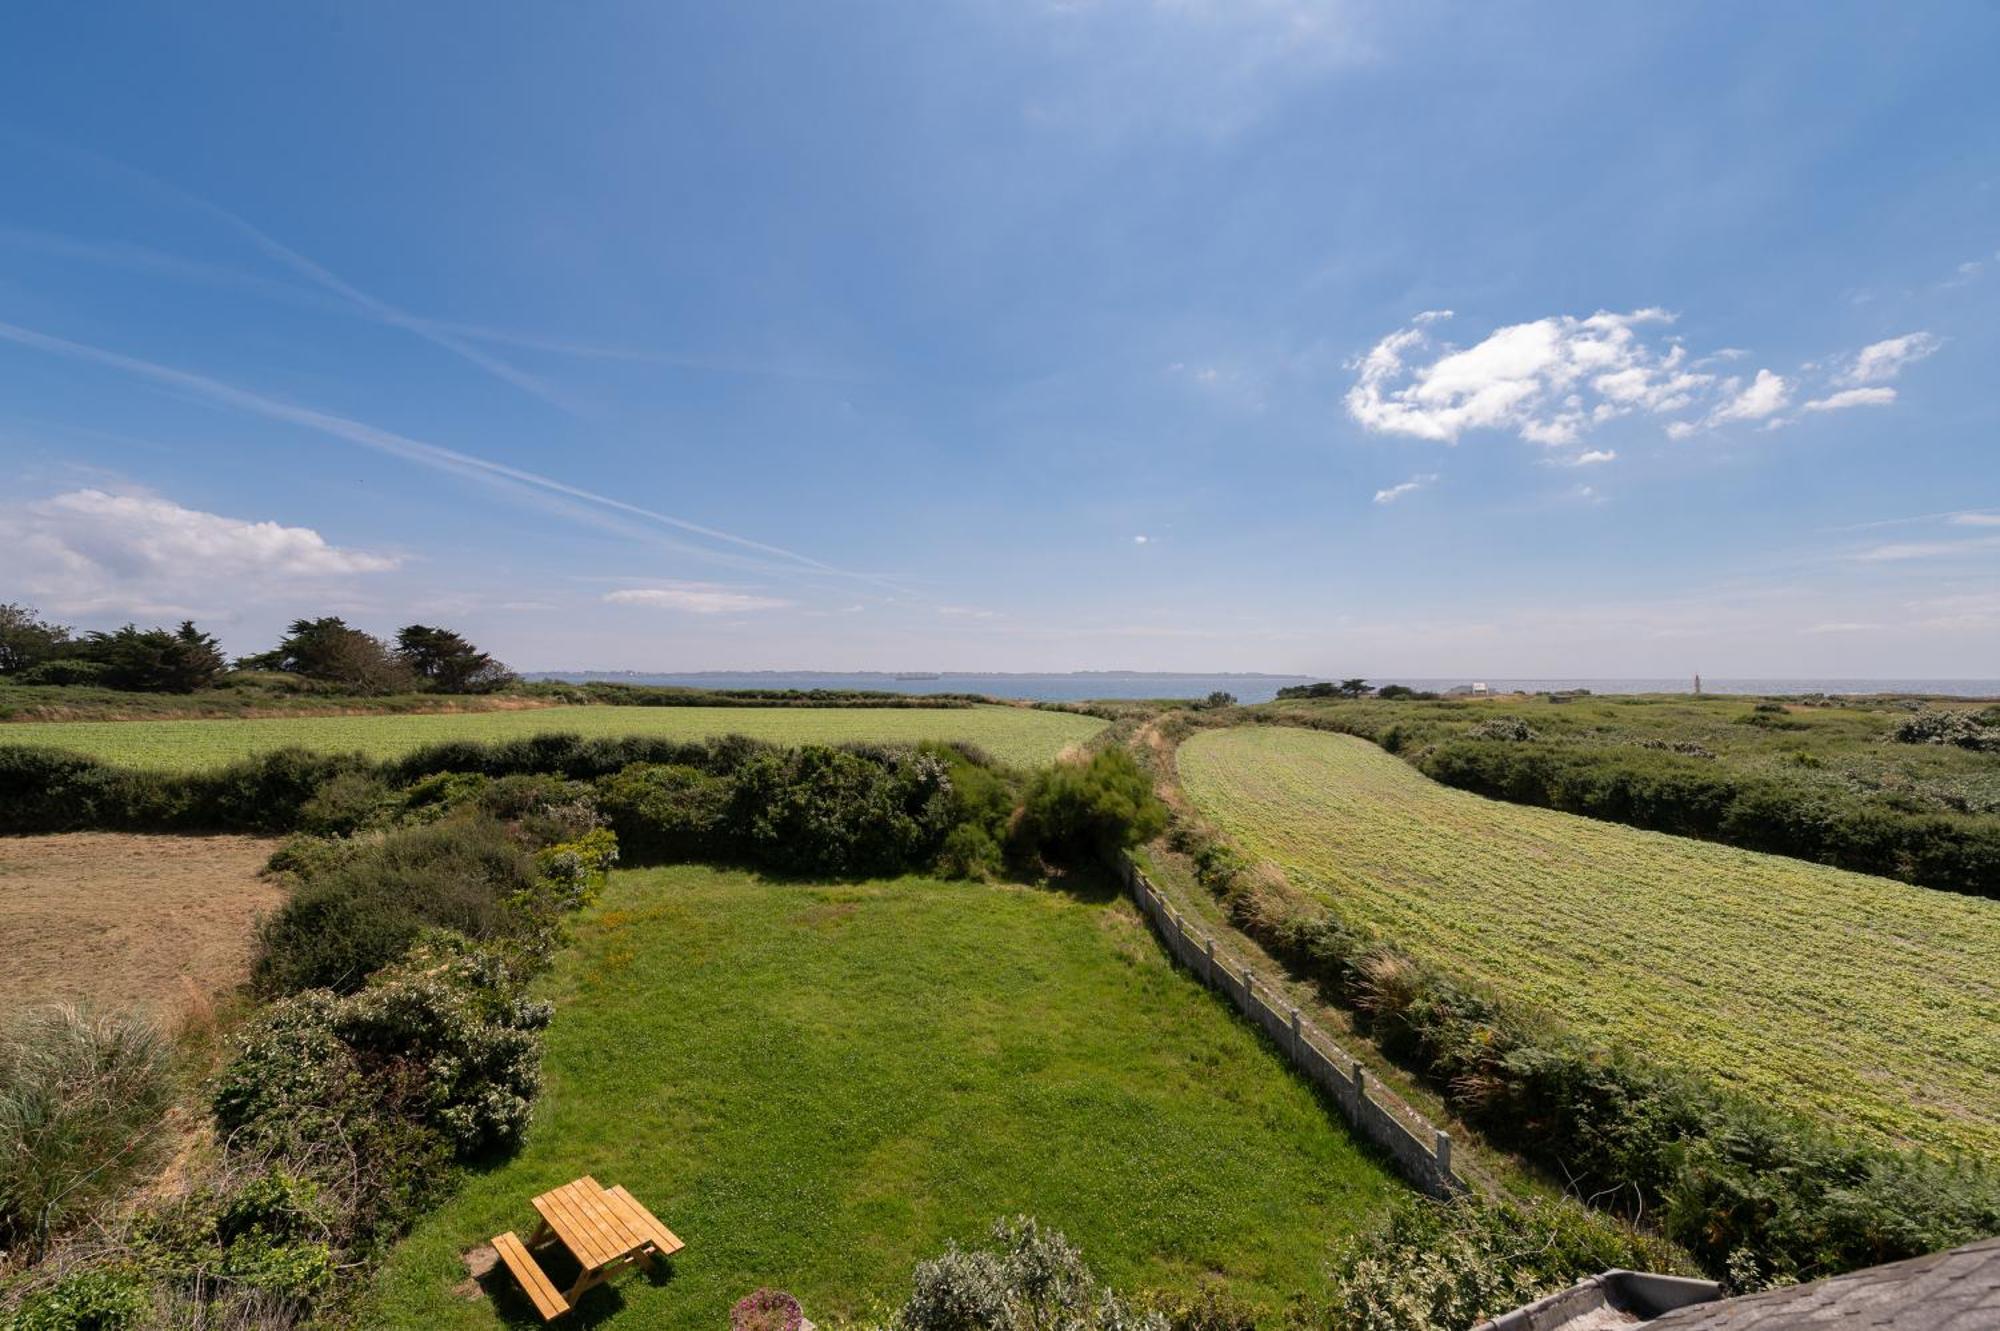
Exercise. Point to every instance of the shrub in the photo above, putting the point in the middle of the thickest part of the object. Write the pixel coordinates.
(1091, 809)
(766, 1310)
(1211, 1307)
(345, 804)
(1937, 725)
(843, 811)
(66, 671)
(1029, 1279)
(442, 1036)
(970, 851)
(343, 924)
(670, 812)
(155, 660)
(80, 1099)
(108, 1298)
(1433, 1264)
(270, 1233)
(1509, 728)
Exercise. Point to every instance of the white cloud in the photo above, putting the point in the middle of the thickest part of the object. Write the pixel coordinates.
(1766, 395)
(967, 612)
(1843, 626)
(1595, 457)
(1140, 540)
(1897, 551)
(1395, 492)
(1884, 360)
(1852, 397)
(1974, 519)
(1550, 380)
(89, 550)
(696, 598)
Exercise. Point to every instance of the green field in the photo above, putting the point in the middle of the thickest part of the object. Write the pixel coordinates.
(816, 1088)
(1873, 1003)
(1018, 735)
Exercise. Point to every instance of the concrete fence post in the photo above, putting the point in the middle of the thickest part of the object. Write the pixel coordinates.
(1298, 1036)
(1360, 1080)
(1249, 989)
(1208, 971)
(1441, 1148)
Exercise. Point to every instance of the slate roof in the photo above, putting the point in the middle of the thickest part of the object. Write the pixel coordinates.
(1956, 1290)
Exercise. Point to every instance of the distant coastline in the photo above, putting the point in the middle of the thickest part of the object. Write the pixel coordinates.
(1247, 686)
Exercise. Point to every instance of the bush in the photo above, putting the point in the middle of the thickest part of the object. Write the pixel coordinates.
(665, 813)
(442, 1037)
(95, 1299)
(363, 913)
(269, 1233)
(817, 810)
(1509, 728)
(80, 1099)
(1433, 1264)
(1093, 809)
(66, 671)
(345, 804)
(1937, 725)
(1030, 1279)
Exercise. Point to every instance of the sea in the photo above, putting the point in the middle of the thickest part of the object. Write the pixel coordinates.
(1247, 688)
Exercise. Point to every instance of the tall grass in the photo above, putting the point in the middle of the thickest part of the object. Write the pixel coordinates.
(82, 1098)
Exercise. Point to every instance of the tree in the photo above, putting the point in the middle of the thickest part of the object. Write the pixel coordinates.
(448, 662)
(1219, 699)
(154, 660)
(1352, 688)
(328, 649)
(26, 639)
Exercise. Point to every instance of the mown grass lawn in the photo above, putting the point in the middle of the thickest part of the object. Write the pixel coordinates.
(1022, 736)
(1872, 1003)
(817, 1087)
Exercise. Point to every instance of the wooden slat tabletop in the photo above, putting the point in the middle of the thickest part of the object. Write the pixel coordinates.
(595, 1232)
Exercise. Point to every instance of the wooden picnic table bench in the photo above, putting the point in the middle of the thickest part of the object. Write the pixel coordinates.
(605, 1229)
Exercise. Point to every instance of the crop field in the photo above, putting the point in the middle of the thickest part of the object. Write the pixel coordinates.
(1017, 735)
(818, 1087)
(1869, 1002)
(1828, 747)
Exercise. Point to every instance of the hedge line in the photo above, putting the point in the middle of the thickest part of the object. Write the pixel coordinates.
(1753, 1194)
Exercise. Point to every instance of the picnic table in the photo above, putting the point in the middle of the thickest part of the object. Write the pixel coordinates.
(605, 1229)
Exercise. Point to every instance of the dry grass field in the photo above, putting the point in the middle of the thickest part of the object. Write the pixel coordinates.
(1870, 1002)
(155, 923)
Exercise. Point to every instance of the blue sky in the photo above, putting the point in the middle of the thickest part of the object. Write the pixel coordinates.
(1015, 335)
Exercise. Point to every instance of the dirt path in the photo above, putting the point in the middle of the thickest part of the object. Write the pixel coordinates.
(157, 923)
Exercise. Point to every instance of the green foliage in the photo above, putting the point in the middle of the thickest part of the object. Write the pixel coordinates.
(443, 1038)
(81, 1098)
(448, 663)
(1934, 725)
(1434, 1264)
(154, 660)
(836, 811)
(27, 640)
(1085, 810)
(1029, 1279)
(343, 924)
(345, 804)
(269, 1233)
(67, 671)
(665, 813)
(1209, 1307)
(328, 649)
(1507, 728)
(107, 1298)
